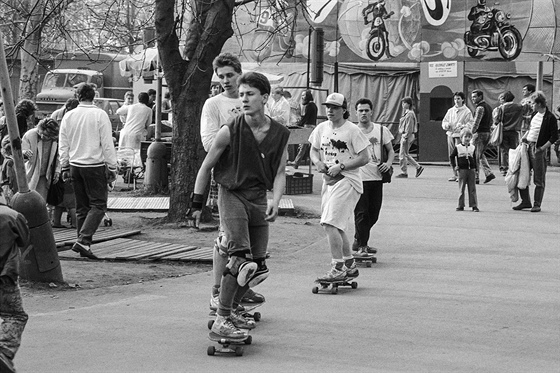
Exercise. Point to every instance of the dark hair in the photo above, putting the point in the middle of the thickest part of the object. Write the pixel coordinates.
(530, 87)
(508, 96)
(346, 114)
(538, 97)
(478, 92)
(71, 103)
(255, 80)
(85, 92)
(364, 101)
(144, 98)
(308, 96)
(151, 92)
(26, 107)
(459, 94)
(227, 59)
(407, 100)
(49, 126)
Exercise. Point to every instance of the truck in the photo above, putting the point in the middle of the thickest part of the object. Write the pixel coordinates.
(71, 69)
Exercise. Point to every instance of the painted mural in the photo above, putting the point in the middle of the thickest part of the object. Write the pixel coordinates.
(400, 30)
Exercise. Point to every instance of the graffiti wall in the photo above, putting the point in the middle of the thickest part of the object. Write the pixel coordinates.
(399, 30)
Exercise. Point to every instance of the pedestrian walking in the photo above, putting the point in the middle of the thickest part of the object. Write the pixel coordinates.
(463, 160)
(248, 156)
(408, 127)
(366, 212)
(542, 133)
(338, 150)
(87, 155)
(308, 120)
(456, 119)
(15, 235)
(510, 115)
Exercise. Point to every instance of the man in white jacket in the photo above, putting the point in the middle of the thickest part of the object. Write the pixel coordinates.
(88, 156)
(456, 118)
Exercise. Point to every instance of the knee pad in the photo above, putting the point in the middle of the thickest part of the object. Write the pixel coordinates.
(220, 247)
(241, 268)
(260, 274)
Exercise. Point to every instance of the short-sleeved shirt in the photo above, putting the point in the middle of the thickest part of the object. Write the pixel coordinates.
(216, 112)
(339, 145)
(370, 172)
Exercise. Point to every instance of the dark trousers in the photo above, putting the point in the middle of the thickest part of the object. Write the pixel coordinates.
(510, 140)
(367, 210)
(467, 178)
(90, 188)
(537, 162)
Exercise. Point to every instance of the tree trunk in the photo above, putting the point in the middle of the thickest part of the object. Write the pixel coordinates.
(31, 52)
(189, 84)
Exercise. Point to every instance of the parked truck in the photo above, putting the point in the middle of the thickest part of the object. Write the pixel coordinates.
(70, 69)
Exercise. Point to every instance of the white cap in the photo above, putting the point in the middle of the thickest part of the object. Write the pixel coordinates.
(335, 99)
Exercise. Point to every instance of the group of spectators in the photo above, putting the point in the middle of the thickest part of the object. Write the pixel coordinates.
(529, 122)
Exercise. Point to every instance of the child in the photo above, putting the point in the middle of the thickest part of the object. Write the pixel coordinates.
(463, 160)
(14, 233)
(68, 204)
(8, 180)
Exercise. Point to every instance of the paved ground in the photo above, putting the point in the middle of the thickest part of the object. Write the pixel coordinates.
(452, 291)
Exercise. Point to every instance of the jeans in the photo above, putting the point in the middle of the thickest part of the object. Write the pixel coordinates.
(467, 178)
(481, 144)
(90, 188)
(510, 140)
(13, 316)
(404, 156)
(367, 211)
(537, 161)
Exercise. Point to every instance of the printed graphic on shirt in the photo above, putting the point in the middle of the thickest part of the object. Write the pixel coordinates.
(335, 151)
(373, 141)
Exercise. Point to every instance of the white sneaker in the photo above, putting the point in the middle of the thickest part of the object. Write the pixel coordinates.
(334, 274)
(241, 322)
(214, 302)
(224, 327)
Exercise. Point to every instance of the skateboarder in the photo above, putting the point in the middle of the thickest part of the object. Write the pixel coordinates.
(338, 150)
(367, 209)
(217, 111)
(15, 233)
(248, 156)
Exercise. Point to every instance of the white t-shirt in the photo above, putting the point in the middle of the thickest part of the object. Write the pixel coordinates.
(370, 171)
(535, 127)
(216, 112)
(339, 145)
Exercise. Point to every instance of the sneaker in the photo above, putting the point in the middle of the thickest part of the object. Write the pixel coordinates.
(371, 250)
(6, 364)
(214, 302)
(334, 274)
(402, 176)
(536, 208)
(460, 209)
(475, 209)
(241, 322)
(252, 297)
(351, 271)
(362, 253)
(83, 250)
(419, 171)
(452, 178)
(522, 206)
(489, 178)
(224, 327)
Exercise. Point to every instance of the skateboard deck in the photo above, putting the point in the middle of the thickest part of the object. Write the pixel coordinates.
(228, 345)
(368, 260)
(332, 286)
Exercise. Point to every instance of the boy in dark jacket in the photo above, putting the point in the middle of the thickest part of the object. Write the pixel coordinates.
(463, 160)
(14, 234)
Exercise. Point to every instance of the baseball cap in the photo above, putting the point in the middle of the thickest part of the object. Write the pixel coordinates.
(336, 99)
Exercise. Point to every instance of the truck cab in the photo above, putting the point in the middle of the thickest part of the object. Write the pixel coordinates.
(59, 85)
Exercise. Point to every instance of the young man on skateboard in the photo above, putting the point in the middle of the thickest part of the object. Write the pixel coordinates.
(216, 112)
(248, 156)
(338, 150)
(367, 209)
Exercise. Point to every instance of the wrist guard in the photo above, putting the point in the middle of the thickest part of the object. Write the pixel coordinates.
(196, 201)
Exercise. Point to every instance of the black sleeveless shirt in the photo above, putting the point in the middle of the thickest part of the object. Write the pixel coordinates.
(246, 164)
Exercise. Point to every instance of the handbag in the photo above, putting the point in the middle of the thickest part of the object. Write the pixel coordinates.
(497, 133)
(55, 195)
(385, 176)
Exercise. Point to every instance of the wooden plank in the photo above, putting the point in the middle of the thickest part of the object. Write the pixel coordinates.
(148, 251)
(132, 247)
(173, 250)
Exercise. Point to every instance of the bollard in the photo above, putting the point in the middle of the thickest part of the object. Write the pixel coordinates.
(39, 261)
(155, 178)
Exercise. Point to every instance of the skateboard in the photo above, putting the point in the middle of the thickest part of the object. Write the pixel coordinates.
(368, 260)
(332, 286)
(228, 345)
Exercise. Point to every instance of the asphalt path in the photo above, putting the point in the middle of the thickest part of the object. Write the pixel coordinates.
(452, 291)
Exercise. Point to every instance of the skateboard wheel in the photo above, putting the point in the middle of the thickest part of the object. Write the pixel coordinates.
(354, 285)
(249, 340)
(211, 351)
(315, 290)
(239, 351)
(257, 316)
(368, 264)
(210, 324)
(334, 290)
